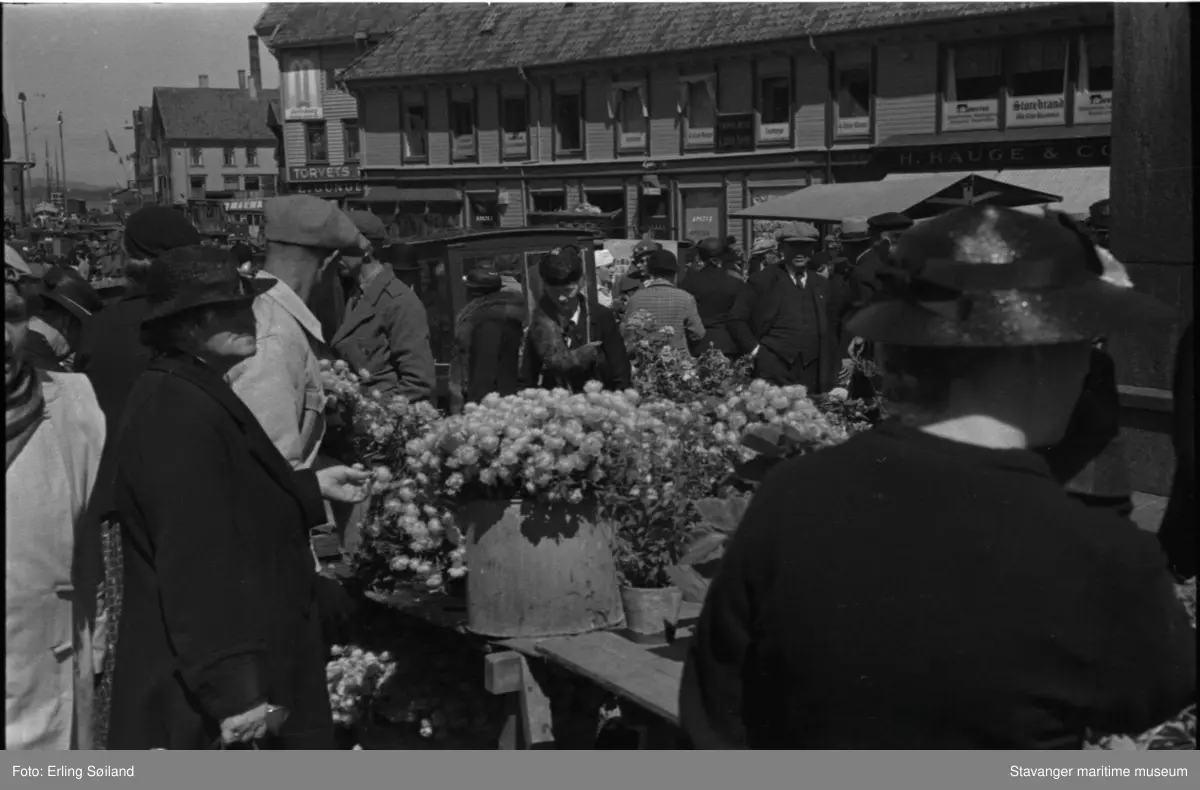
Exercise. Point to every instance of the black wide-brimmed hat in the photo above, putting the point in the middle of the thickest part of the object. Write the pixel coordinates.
(987, 276)
(197, 276)
(483, 277)
(66, 288)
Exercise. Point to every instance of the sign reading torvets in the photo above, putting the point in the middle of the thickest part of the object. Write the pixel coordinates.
(301, 173)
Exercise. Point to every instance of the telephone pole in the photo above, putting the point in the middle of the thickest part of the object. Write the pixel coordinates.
(49, 168)
(62, 174)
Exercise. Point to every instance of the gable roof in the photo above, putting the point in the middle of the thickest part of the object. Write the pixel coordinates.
(284, 25)
(454, 38)
(227, 114)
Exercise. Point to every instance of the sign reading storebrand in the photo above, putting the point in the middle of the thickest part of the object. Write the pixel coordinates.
(1049, 110)
(322, 173)
(1067, 153)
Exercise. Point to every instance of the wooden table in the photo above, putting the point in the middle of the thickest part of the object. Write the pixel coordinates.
(648, 676)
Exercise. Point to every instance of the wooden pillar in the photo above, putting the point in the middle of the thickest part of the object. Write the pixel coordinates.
(1151, 225)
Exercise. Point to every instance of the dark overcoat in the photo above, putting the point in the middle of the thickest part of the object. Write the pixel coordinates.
(1178, 531)
(904, 591)
(759, 305)
(715, 289)
(550, 355)
(219, 612)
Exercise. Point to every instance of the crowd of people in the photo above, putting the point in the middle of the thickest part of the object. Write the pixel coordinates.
(167, 464)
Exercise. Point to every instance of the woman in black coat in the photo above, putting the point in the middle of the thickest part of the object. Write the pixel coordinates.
(220, 622)
(488, 334)
(928, 584)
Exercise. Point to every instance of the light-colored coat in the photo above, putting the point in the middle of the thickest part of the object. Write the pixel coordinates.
(53, 569)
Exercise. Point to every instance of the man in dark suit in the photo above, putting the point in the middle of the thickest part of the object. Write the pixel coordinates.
(570, 340)
(782, 318)
(716, 288)
(884, 230)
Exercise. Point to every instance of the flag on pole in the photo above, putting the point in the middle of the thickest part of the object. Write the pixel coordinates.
(112, 147)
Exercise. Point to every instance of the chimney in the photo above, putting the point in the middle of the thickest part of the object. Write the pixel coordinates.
(241, 79)
(255, 69)
(203, 80)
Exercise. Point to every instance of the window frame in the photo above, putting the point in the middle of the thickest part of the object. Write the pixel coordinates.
(512, 150)
(195, 156)
(273, 180)
(945, 52)
(347, 125)
(555, 104)
(836, 78)
(203, 188)
(1094, 104)
(463, 153)
(246, 183)
(229, 156)
(236, 180)
(714, 99)
(406, 157)
(760, 77)
(309, 126)
(642, 90)
(251, 156)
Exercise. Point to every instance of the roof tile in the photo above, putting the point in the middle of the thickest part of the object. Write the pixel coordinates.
(215, 114)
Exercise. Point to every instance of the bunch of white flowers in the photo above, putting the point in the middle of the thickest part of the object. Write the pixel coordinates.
(761, 403)
(354, 678)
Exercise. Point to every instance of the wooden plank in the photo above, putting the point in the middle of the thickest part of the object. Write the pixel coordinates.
(622, 667)
(1146, 398)
(502, 672)
(537, 723)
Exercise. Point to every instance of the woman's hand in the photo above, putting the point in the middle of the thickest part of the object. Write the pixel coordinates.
(245, 727)
(344, 484)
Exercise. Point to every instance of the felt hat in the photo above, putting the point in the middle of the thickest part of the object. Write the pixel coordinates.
(308, 221)
(989, 276)
(710, 248)
(855, 229)
(197, 276)
(66, 288)
(369, 225)
(561, 267)
(483, 277)
(797, 231)
(662, 261)
(154, 230)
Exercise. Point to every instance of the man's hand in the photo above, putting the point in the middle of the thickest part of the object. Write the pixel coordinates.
(343, 484)
(245, 727)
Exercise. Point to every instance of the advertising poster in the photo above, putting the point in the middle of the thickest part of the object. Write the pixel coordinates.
(302, 89)
(1093, 107)
(1048, 110)
(974, 114)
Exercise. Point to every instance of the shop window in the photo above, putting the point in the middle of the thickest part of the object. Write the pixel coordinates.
(699, 112)
(462, 129)
(268, 186)
(515, 118)
(350, 141)
(230, 154)
(251, 157)
(702, 216)
(1039, 67)
(974, 75)
(317, 143)
(852, 85)
(197, 157)
(199, 187)
(252, 184)
(775, 109)
(568, 123)
(548, 201)
(485, 213)
(232, 183)
(632, 121)
(607, 200)
(1096, 62)
(416, 132)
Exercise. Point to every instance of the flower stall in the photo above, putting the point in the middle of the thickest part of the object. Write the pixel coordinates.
(575, 528)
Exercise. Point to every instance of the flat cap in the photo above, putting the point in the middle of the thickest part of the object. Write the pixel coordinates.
(891, 220)
(762, 245)
(369, 225)
(797, 231)
(307, 221)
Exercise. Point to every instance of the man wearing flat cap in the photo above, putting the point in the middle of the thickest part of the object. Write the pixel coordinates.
(281, 384)
(669, 305)
(385, 330)
(781, 317)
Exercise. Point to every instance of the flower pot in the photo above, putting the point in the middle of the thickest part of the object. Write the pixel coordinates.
(538, 569)
(649, 611)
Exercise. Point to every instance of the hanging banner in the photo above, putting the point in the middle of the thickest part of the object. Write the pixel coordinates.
(974, 114)
(1093, 107)
(1047, 110)
(302, 89)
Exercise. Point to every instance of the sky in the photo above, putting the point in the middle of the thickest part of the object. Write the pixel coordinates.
(98, 62)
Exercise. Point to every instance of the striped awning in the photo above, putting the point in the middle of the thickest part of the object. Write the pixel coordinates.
(254, 204)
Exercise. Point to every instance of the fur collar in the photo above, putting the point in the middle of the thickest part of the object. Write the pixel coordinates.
(549, 341)
(503, 305)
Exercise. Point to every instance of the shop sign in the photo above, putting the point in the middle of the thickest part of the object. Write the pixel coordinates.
(853, 127)
(1049, 110)
(323, 173)
(774, 132)
(994, 156)
(485, 214)
(735, 132)
(703, 220)
(633, 140)
(327, 188)
(700, 136)
(1093, 107)
(302, 90)
(960, 116)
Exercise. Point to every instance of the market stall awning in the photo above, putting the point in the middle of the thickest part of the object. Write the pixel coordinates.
(1080, 187)
(384, 193)
(253, 204)
(917, 196)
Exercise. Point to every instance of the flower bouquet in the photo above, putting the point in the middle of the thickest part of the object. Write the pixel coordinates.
(355, 679)
(663, 372)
